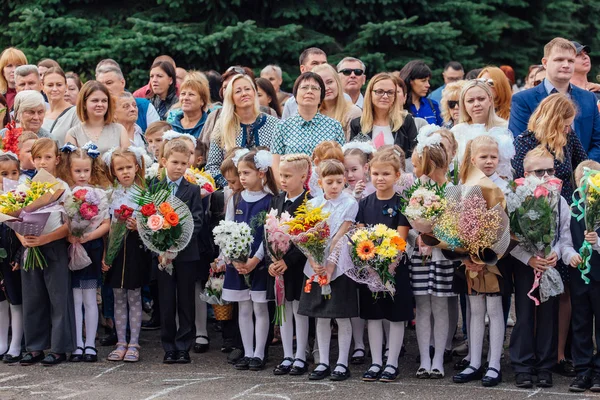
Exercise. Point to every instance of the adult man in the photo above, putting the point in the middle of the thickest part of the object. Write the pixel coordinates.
(309, 59)
(583, 65)
(27, 77)
(352, 73)
(559, 61)
(112, 77)
(180, 73)
(274, 74)
(453, 72)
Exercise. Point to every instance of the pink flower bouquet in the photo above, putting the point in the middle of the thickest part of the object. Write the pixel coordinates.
(278, 244)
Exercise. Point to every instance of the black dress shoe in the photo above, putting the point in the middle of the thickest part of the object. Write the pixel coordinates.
(202, 347)
(109, 340)
(256, 364)
(389, 376)
(87, 357)
(358, 357)
(316, 375)
(370, 375)
(595, 383)
(565, 368)
(544, 379)
(340, 376)
(235, 355)
(77, 357)
(8, 359)
(523, 380)
(170, 357)
(297, 371)
(183, 357)
(580, 384)
(30, 358)
(283, 369)
(152, 324)
(53, 359)
(242, 364)
(489, 381)
(465, 377)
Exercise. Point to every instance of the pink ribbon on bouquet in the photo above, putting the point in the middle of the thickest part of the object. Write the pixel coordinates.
(536, 284)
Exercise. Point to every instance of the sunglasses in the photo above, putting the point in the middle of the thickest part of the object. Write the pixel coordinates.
(452, 104)
(348, 71)
(237, 70)
(541, 172)
(489, 82)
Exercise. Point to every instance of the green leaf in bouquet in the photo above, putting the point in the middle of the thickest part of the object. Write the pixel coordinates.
(547, 239)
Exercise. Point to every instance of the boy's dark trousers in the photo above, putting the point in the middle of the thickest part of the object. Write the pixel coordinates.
(585, 303)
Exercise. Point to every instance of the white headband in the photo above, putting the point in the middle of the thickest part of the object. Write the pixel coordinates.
(139, 152)
(171, 134)
(365, 147)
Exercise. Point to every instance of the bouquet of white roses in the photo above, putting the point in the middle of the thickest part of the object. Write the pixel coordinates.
(235, 240)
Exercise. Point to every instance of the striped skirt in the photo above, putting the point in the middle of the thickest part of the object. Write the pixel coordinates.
(431, 278)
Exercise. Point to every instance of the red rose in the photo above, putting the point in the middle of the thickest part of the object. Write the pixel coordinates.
(148, 210)
(124, 212)
(80, 194)
(208, 187)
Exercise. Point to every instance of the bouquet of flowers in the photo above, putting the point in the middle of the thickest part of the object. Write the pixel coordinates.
(151, 173)
(235, 240)
(213, 293)
(86, 208)
(533, 209)
(309, 231)
(10, 141)
(372, 255)
(26, 208)
(200, 178)
(425, 203)
(278, 244)
(586, 206)
(164, 222)
(117, 233)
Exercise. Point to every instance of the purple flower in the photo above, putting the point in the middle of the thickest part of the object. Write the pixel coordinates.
(92, 198)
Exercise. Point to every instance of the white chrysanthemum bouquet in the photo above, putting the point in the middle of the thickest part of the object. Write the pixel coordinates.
(235, 240)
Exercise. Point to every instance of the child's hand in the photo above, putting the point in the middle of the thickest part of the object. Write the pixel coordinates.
(359, 188)
(35, 241)
(84, 239)
(591, 237)
(15, 266)
(281, 266)
(72, 239)
(319, 270)
(575, 261)
(131, 224)
(552, 259)
(160, 260)
(538, 264)
(423, 248)
(273, 271)
(105, 267)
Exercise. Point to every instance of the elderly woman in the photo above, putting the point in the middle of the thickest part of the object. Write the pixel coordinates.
(73, 88)
(450, 103)
(241, 124)
(62, 116)
(126, 114)
(95, 109)
(194, 97)
(163, 81)
(29, 109)
(10, 59)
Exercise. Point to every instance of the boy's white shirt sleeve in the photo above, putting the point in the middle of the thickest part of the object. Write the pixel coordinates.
(568, 249)
(565, 228)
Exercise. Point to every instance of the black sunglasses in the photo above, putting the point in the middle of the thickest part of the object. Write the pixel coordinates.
(348, 71)
(541, 172)
(452, 104)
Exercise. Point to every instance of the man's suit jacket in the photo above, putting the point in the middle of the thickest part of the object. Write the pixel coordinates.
(587, 120)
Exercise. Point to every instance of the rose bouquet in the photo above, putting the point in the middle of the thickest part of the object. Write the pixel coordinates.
(373, 254)
(425, 203)
(586, 206)
(278, 244)
(309, 231)
(86, 208)
(235, 240)
(200, 178)
(117, 233)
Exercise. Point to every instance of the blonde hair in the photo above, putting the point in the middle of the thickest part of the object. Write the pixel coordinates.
(228, 126)
(548, 123)
(44, 144)
(342, 106)
(493, 120)
(591, 164)
(11, 55)
(451, 91)
(330, 168)
(196, 81)
(449, 136)
(560, 43)
(391, 154)
(157, 127)
(473, 146)
(24, 137)
(299, 162)
(536, 154)
(126, 153)
(98, 171)
(432, 158)
(328, 150)
(503, 90)
(175, 146)
(396, 114)
(164, 143)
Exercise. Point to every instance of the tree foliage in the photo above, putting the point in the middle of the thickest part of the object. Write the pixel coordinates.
(214, 34)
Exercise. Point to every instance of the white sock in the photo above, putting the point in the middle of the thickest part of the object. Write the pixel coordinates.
(344, 342)
(200, 316)
(261, 315)
(386, 330)
(396, 340)
(375, 331)
(423, 328)
(439, 307)
(287, 332)
(16, 323)
(301, 334)
(452, 320)
(4, 324)
(246, 325)
(91, 318)
(324, 338)
(78, 300)
(468, 317)
(358, 332)
(476, 330)
(496, 315)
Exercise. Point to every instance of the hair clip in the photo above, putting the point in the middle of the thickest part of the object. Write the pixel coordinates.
(68, 148)
(263, 159)
(10, 154)
(239, 153)
(107, 157)
(91, 149)
(139, 153)
(428, 141)
(171, 134)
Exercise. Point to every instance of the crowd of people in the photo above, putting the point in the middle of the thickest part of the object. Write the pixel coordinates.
(349, 143)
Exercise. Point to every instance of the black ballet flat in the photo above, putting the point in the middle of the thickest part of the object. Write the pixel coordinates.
(90, 357)
(356, 359)
(30, 359)
(296, 371)
(77, 357)
(53, 359)
(436, 374)
(488, 381)
(468, 377)
(422, 373)
(283, 369)
(8, 359)
(340, 376)
(389, 376)
(370, 375)
(202, 347)
(319, 375)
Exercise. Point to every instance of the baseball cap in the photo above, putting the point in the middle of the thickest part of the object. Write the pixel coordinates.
(579, 47)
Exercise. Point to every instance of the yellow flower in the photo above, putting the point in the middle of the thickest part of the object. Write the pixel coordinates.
(381, 230)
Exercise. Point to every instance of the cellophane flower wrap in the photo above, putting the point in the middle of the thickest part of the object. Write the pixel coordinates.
(425, 202)
(371, 256)
(278, 244)
(26, 208)
(213, 290)
(586, 206)
(235, 240)
(87, 207)
(164, 222)
(117, 233)
(310, 232)
(202, 179)
(533, 210)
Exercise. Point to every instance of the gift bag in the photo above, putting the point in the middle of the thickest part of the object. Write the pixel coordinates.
(78, 257)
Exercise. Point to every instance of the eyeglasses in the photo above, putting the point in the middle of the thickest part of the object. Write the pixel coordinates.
(236, 69)
(348, 71)
(489, 82)
(452, 104)
(541, 172)
(311, 88)
(388, 93)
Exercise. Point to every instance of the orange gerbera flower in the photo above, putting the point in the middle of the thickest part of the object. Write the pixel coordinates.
(399, 243)
(365, 250)
(165, 208)
(172, 218)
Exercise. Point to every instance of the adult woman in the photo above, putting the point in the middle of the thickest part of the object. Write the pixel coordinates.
(194, 97)
(267, 96)
(10, 59)
(477, 117)
(241, 124)
(29, 109)
(163, 82)
(500, 87)
(45, 64)
(450, 101)
(126, 113)
(530, 76)
(383, 120)
(335, 105)
(95, 110)
(416, 74)
(62, 116)
(73, 88)
(4, 112)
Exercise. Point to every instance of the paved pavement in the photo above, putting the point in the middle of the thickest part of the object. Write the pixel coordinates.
(210, 377)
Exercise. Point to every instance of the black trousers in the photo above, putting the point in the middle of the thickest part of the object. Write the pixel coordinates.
(585, 301)
(534, 339)
(176, 293)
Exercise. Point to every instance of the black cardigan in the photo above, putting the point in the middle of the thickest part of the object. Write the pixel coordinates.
(405, 136)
